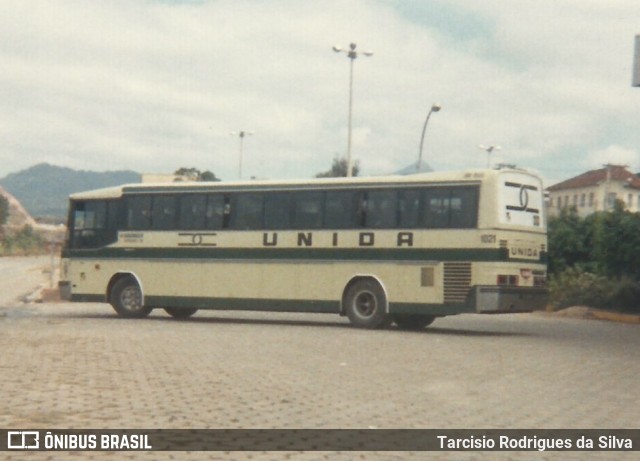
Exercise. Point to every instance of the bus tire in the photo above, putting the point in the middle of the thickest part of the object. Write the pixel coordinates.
(126, 299)
(180, 312)
(365, 304)
(413, 322)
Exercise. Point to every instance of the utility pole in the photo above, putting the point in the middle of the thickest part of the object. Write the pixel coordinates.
(241, 135)
(636, 64)
(352, 54)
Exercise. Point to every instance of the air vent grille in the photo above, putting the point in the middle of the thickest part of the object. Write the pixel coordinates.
(457, 280)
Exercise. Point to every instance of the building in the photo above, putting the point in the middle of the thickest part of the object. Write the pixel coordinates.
(596, 190)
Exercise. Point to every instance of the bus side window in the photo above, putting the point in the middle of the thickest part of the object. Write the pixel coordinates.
(464, 207)
(408, 209)
(381, 209)
(247, 211)
(307, 212)
(435, 209)
(192, 212)
(226, 212)
(360, 205)
(138, 212)
(277, 210)
(339, 209)
(113, 215)
(163, 212)
(215, 213)
(455, 208)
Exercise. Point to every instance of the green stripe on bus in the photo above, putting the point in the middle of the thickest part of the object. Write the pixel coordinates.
(318, 254)
(246, 304)
(439, 310)
(297, 305)
(282, 305)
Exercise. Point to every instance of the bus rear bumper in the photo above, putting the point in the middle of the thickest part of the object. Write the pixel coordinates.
(499, 299)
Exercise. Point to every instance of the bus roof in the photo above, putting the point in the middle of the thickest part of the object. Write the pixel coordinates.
(443, 177)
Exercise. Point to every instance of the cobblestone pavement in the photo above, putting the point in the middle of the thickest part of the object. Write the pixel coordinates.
(79, 366)
(19, 277)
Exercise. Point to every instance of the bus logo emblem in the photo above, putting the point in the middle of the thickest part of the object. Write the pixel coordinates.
(524, 197)
(23, 440)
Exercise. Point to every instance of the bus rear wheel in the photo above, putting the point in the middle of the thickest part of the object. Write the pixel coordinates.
(180, 312)
(413, 322)
(365, 304)
(126, 299)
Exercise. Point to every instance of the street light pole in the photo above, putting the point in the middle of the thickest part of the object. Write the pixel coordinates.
(636, 63)
(489, 150)
(434, 108)
(352, 54)
(241, 135)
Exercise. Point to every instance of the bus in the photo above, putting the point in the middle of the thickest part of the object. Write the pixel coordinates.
(403, 249)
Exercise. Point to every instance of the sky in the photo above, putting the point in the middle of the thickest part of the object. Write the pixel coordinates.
(155, 85)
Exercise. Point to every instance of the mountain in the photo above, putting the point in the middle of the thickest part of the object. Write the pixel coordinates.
(414, 168)
(44, 189)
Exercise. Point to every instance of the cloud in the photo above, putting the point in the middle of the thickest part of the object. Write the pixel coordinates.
(156, 85)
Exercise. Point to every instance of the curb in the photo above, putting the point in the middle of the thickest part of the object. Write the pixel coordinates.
(589, 313)
(616, 317)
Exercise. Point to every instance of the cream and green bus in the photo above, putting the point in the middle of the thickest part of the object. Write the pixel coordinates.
(403, 249)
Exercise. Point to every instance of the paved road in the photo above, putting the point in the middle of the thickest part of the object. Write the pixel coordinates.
(79, 366)
(20, 276)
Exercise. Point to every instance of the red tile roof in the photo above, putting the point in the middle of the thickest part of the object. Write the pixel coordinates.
(595, 177)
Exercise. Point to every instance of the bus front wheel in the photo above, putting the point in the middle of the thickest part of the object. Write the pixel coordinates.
(365, 304)
(180, 312)
(413, 322)
(126, 299)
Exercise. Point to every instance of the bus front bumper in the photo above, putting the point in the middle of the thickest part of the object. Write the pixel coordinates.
(65, 290)
(499, 299)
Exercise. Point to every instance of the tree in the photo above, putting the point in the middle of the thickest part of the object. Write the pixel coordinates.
(606, 243)
(196, 175)
(208, 176)
(595, 261)
(615, 245)
(566, 236)
(339, 169)
(4, 214)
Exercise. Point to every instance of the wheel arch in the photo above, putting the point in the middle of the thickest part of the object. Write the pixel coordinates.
(123, 275)
(358, 278)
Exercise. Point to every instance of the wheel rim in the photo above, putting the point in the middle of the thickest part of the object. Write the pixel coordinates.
(131, 299)
(365, 304)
